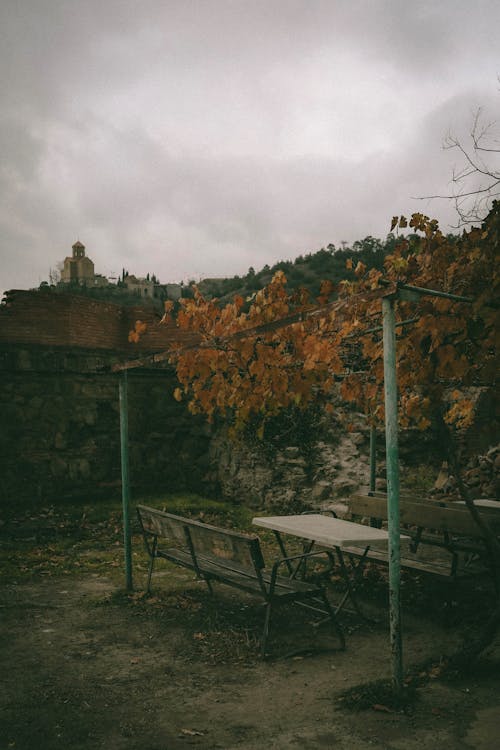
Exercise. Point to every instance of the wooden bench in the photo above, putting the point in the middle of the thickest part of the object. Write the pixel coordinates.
(232, 558)
(442, 540)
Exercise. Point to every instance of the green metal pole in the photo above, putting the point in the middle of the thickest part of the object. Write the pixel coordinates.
(392, 463)
(127, 540)
(373, 456)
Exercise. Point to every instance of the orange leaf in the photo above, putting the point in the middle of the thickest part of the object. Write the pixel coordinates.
(360, 269)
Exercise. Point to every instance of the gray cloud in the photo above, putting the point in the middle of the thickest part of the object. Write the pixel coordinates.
(199, 138)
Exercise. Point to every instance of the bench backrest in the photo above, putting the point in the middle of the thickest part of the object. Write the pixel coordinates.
(226, 545)
(163, 525)
(203, 539)
(426, 514)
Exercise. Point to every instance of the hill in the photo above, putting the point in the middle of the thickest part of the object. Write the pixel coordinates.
(307, 270)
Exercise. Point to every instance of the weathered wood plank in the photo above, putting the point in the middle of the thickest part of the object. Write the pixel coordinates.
(432, 525)
(426, 514)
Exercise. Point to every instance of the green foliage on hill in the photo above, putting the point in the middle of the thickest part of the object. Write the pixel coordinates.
(307, 270)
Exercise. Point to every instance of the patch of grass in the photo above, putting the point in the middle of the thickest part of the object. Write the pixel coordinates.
(87, 538)
(419, 479)
(207, 509)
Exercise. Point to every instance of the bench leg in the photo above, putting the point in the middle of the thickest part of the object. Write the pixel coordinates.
(151, 564)
(450, 597)
(334, 621)
(265, 631)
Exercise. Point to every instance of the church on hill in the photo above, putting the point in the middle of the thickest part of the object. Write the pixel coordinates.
(78, 268)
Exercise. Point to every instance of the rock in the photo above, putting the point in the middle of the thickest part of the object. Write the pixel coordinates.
(340, 509)
(473, 481)
(58, 467)
(84, 467)
(346, 486)
(299, 461)
(491, 491)
(321, 491)
(291, 452)
(358, 438)
(449, 485)
(60, 441)
(280, 499)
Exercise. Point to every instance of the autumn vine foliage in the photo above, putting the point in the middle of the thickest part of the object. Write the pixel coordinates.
(449, 345)
(250, 363)
(277, 350)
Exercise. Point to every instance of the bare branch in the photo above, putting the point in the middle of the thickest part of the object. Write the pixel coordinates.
(472, 194)
(455, 196)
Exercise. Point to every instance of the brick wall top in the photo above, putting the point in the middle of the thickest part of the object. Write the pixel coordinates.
(52, 319)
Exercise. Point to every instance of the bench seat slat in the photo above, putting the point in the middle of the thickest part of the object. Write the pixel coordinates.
(238, 575)
(441, 568)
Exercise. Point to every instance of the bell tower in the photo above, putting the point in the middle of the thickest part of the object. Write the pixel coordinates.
(78, 250)
(78, 268)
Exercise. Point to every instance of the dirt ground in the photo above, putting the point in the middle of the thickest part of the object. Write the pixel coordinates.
(85, 667)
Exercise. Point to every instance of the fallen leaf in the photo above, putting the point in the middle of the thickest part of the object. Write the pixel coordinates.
(381, 707)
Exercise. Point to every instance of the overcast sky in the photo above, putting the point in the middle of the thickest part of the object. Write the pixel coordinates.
(194, 138)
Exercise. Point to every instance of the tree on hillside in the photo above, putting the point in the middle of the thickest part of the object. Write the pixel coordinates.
(306, 271)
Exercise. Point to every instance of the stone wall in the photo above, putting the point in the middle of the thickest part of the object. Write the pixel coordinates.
(336, 462)
(60, 437)
(59, 429)
(294, 477)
